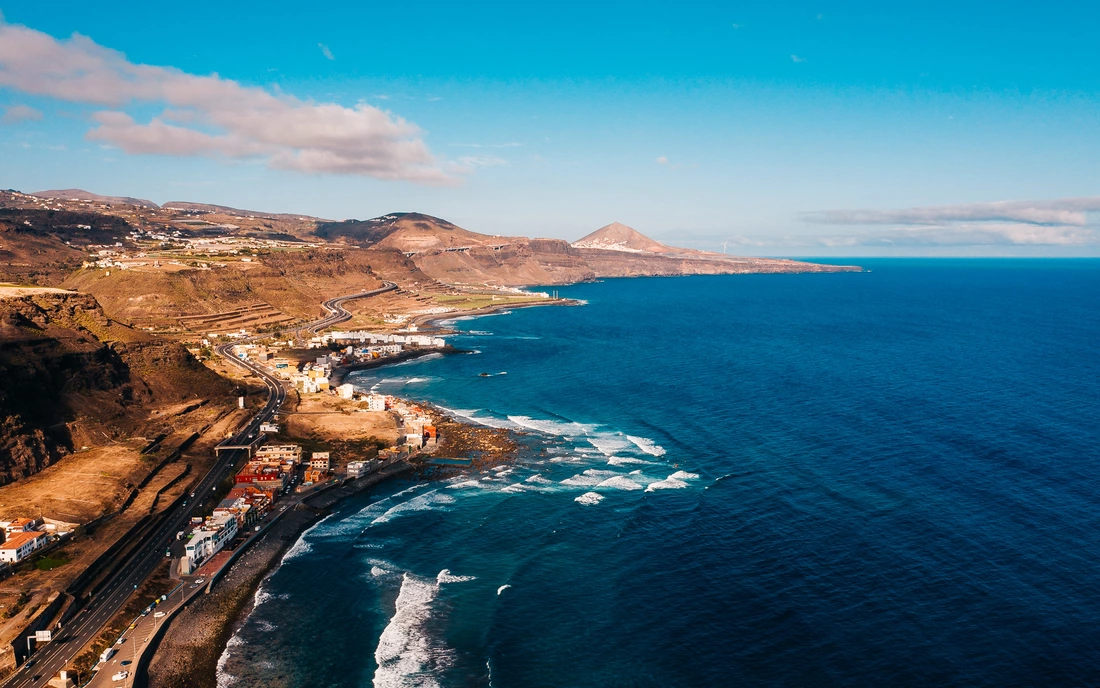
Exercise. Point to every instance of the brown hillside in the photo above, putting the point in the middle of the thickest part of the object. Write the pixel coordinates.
(82, 195)
(618, 237)
(72, 377)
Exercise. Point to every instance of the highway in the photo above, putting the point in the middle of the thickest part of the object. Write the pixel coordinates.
(47, 661)
(337, 312)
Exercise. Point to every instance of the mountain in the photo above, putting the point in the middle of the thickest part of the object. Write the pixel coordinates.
(406, 232)
(82, 195)
(616, 250)
(618, 237)
(227, 210)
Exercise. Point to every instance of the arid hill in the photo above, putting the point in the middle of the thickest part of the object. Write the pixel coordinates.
(616, 250)
(72, 377)
(82, 195)
(618, 237)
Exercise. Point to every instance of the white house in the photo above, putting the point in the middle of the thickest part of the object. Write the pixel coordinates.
(19, 546)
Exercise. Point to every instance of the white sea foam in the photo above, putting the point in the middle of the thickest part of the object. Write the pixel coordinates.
(445, 576)
(647, 445)
(666, 484)
(610, 444)
(589, 498)
(538, 480)
(419, 359)
(566, 459)
(464, 483)
(619, 483)
(302, 546)
(502, 589)
(553, 427)
(407, 655)
(683, 475)
(378, 571)
(415, 380)
(425, 502)
(514, 488)
(472, 416)
(581, 480)
(625, 461)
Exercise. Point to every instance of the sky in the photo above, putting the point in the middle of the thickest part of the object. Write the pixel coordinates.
(789, 129)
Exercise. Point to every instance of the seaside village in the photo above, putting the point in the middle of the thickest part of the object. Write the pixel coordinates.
(317, 376)
(273, 472)
(279, 471)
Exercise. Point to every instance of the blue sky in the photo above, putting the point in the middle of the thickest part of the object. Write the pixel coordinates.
(781, 129)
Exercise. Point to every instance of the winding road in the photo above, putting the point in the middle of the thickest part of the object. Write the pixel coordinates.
(112, 595)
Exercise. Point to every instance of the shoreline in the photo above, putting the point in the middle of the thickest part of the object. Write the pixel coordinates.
(188, 653)
(433, 319)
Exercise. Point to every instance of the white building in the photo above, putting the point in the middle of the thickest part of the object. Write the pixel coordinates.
(357, 469)
(21, 545)
(376, 402)
(346, 390)
(208, 541)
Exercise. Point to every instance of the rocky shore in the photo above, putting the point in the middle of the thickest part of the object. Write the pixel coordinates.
(187, 655)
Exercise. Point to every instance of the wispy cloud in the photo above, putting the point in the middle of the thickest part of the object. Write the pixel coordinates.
(511, 144)
(796, 58)
(471, 161)
(20, 113)
(662, 160)
(1063, 211)
(1006, 234)
(1057, 222)
(325, 51)
(213, 116)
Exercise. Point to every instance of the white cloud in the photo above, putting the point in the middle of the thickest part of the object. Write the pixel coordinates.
(1001, 234)
(796, 58)
(214, 116)
(662, 160)
(325, 51)
(1063, 211)
(1057, 222)
(20, 113)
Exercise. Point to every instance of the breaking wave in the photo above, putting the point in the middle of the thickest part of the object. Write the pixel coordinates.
(589, 498)
(425, 502)
(619, 483)
(407, 655)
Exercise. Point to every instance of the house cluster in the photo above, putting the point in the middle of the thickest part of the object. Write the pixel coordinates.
(255, 488)
(24, 536)
(376, 341)
(414, 425)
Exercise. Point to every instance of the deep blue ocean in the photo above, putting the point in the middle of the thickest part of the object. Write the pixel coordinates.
(878, 479)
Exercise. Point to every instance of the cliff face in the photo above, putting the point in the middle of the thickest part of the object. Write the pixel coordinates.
(70, 377)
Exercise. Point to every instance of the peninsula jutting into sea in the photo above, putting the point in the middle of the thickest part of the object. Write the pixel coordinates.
(187, 356)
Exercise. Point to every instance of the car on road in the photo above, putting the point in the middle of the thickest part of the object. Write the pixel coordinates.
(120, 641)
(121, 676)
(158, 615)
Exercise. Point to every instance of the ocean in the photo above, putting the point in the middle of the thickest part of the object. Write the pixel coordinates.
(877, 479)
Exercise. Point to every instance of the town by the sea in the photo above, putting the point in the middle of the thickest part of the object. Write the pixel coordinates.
(886, 478)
